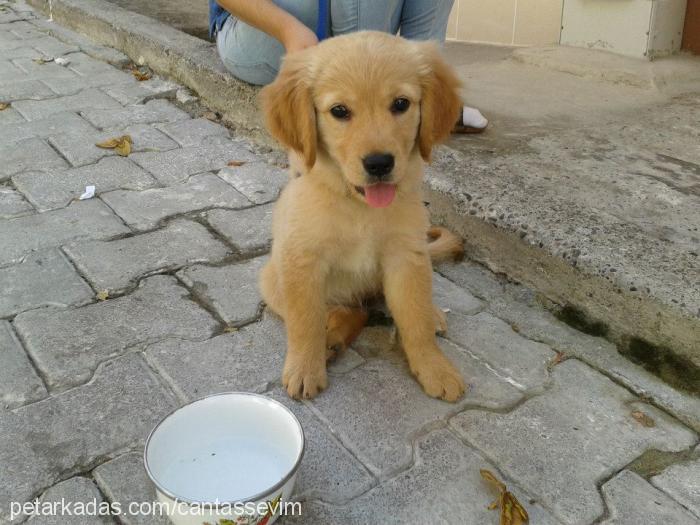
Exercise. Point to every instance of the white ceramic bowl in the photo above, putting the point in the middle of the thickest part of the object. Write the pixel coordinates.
(229, 456)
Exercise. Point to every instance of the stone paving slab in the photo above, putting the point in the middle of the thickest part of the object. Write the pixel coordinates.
(258, 181)
(56, 124)
(194, 132)
(249, 230)
(24, 30)
(87, 99)
(124, 480)
(30, 154)
(67, 345)
(10, 116)
(328, 471)
(9, 41)
(173, 167)
(143, 210)
(71, 86)
(632, 501)
(8, 17)
(80, 148)
(19, 52)
(451, 298)
(584, 420)
(148, 113)
(9, 71)
(519, 361)
(52, 47)
(231, 290)
(442, 486)
(41, 279)
(116, 265)
(80, 491)
(19, 382)
(13, 204)
(248, 360)
(44, 442)
(129, 93)
(50, 189)
(25, 89)
(350, 406)
(38, 70)
(81, 220)
(87, 66)
(682, 483)
(518, 307)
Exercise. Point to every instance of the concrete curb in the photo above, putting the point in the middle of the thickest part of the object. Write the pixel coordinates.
(633, 321)
(651, 333)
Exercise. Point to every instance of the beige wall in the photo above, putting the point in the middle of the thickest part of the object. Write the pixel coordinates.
(638, 28)
(507, 22)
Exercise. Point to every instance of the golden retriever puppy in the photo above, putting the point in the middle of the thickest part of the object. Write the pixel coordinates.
(360, 114)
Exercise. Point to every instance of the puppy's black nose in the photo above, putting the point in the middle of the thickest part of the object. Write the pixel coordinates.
(378, 164)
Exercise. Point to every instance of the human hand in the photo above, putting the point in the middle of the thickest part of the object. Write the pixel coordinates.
(298, 37)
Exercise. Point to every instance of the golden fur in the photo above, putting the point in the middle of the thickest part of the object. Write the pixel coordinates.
(331, 249)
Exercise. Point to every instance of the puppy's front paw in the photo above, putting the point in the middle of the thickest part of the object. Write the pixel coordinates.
(439, 378)
(304, 379)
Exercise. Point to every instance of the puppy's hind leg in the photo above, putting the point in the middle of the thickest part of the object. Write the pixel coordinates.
(342, 328)
(270, 289)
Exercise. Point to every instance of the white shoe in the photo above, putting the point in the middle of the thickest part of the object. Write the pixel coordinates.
(472, 118)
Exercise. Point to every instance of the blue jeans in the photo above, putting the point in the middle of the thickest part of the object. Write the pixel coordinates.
(253, 56)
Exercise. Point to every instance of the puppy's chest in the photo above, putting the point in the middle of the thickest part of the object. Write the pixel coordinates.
(355, 269)
(360, 258)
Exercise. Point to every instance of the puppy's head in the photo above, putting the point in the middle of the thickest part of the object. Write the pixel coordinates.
(369, 103)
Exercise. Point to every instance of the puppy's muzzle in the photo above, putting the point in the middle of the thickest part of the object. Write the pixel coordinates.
(378, 166)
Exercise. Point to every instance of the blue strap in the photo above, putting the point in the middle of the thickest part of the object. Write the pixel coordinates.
(322, 22)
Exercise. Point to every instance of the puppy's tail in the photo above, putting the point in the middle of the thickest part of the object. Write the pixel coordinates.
(444, 245)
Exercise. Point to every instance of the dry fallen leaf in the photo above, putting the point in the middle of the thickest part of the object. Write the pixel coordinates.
(122, 145)
(512, 512)
(557, 359)
(230, 329)
(4, 105)
(103, 295)
(141, 75)
(43, 60)
(644, 419)
(235, 163)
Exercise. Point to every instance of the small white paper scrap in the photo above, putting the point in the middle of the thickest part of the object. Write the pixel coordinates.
(61, 61)
(89, 193)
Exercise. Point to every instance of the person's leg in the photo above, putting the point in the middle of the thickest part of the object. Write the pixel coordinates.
(252, 55)
(425, 19)
(348, 16)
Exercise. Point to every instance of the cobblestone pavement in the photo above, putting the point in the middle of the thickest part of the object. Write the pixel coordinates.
(115, 309)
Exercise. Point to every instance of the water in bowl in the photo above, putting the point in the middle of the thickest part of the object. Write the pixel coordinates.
(228, 470)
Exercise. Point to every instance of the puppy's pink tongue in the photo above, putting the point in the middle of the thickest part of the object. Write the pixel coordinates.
(380, 195)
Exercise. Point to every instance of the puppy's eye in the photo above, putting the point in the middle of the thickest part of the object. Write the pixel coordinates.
(400, 105)
(340, 112)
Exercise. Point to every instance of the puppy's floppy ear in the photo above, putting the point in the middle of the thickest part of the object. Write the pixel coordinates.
(441, 104)
(288, 107)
